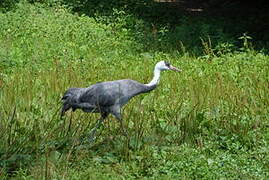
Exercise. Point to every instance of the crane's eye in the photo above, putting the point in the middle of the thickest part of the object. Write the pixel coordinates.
(167, 64)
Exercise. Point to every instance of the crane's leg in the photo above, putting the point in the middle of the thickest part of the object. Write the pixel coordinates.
(117, 114)
(98, 124)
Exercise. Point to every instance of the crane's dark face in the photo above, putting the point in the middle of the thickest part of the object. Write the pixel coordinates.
(164, 65)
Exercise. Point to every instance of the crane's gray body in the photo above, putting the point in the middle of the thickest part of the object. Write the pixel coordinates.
(109, 97)
(105, 97)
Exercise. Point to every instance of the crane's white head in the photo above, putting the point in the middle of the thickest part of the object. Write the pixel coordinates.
(164, 65)
(161, 66)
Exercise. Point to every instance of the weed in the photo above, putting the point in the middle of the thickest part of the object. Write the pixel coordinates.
(210, 121)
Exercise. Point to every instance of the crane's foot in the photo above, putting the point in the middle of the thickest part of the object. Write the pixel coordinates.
(124, 132)
(92, 137)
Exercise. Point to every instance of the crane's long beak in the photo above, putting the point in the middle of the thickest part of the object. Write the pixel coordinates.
(174, 68)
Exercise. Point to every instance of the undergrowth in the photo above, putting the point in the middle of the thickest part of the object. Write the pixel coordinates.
(210, 121)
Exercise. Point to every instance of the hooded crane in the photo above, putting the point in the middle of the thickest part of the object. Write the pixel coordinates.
(109, 97)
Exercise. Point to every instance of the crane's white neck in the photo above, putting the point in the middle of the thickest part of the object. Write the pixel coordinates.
(156, 77)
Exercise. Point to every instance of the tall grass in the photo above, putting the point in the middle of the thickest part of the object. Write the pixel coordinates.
(218, 103)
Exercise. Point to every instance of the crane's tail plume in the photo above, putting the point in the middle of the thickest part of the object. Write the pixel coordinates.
(70, 99)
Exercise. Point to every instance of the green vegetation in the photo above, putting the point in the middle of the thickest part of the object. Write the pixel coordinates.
(210, 121)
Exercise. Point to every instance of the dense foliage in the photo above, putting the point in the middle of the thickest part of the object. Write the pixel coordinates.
(210, 121)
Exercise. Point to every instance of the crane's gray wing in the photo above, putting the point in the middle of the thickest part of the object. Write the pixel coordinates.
(111, 93)
(101, 94)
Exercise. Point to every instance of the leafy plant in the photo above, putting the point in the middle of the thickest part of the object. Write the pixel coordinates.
(208, 122)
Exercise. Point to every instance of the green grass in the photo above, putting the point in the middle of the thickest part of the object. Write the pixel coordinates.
(210, 121)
